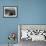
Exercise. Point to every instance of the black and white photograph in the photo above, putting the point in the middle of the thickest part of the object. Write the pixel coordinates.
(29, 34)
(10, 11)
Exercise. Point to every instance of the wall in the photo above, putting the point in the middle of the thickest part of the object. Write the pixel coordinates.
(32, 11)
(7, 25)
(29, 12)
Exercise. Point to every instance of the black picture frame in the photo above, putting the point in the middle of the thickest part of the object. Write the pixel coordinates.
(10, 11)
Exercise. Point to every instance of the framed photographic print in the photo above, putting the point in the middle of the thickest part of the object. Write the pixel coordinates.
(33, 32)
(10, 11)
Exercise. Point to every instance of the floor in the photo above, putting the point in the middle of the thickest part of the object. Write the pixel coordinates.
(7, 45)
(30, 43)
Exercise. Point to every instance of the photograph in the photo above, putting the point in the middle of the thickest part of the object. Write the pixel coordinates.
(32, 32)
(29, 34)
(10, 11)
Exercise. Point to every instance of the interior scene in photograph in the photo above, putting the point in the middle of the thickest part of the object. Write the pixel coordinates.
(33, 32)
(10, 11)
